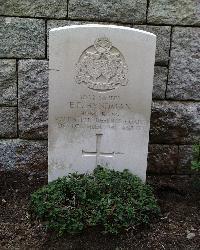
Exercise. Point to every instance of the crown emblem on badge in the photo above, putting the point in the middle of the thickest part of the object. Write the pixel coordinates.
(101, 67)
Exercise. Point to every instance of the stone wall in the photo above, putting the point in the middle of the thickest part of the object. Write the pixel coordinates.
(175, 121)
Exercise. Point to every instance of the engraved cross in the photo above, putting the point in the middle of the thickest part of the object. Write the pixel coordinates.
(98, 152)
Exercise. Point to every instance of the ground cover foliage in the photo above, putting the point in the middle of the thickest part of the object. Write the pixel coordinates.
(106, 198)
(195, 165)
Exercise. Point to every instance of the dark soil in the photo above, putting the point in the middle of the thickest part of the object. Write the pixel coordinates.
(177, 228)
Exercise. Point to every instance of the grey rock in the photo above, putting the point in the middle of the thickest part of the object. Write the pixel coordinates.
(190, 235)
(159, 83)
(184, 73)
(8, 82)
(7, 154)
(33, 99)
(183, 12)
(175, 123)
(32, 155)
(185, 158)
(24, 155)
(162, 42)
(162, 159)
(36, 8)
(129, 11)
(8, 122)
(22, 37)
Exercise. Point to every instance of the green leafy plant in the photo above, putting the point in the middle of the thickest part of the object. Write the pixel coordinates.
(195, 165)
(196, 157)
(110, 199)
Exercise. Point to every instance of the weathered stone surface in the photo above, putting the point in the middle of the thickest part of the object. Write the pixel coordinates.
(184, 74)
(33, 98)
(162, 41)
(181, 12)
(8, 82)
(36, 8)
(8, 122)
(185, 158)
(159, 83)
(27, 155)
(175, 123)
(162, 159)
(7, 154)
(22, 37)
(130, 11)
(32, 155)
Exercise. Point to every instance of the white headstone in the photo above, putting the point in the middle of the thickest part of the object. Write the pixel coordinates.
(100, 92)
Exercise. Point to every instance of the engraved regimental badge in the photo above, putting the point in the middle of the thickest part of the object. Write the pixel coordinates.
(101, 67)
